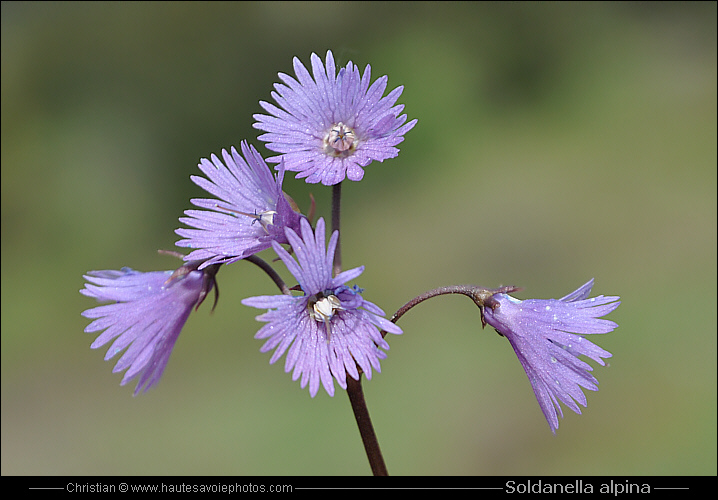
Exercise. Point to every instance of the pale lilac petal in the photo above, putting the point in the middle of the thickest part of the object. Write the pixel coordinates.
(548, 337)
(313, 104)
(320, 351)
(146, 319)
(250, 210)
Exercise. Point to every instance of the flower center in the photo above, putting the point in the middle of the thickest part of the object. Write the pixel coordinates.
(321, 309)
(340, 140)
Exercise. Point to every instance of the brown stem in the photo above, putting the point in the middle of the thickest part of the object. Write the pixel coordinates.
(271, 272)
(336, 213)
(481, 297)
(368, 436)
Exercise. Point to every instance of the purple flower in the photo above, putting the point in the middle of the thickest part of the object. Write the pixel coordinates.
(252, 211)
(148, 313)
(328, 330)
(332, 125)
(548, 336)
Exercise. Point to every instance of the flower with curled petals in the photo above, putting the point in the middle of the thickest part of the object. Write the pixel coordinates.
(330, 126)
(147, 314)
(251, 210)
(329, 329)
(548, 337)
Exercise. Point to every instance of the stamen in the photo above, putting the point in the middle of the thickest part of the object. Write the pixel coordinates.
(340, 140)
(321, 309)
(264, 218)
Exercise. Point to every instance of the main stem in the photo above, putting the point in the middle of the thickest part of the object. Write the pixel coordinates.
(366, 429)
(354, 388)
(336, 214)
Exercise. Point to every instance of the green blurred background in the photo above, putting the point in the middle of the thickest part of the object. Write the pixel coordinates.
(555, 143)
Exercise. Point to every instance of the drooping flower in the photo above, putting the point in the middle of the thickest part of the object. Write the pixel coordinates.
(548, 337)
(148, 313)
(251, 212)
(331, 126)
(329, 329)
